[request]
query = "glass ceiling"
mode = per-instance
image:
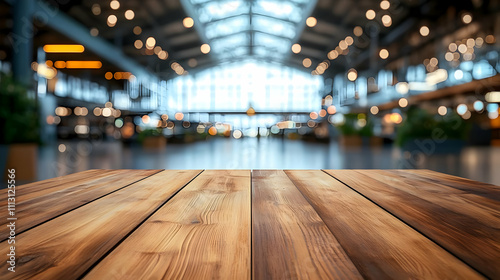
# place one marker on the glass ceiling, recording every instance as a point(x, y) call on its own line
point(237, 86)
point(259, 28)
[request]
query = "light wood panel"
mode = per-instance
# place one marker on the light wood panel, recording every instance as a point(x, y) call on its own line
point(65, 247)
point(290, 241)
point(27, 191)
point(37, 203)
point(380, 245)
point(466, 224)
point(202, 233)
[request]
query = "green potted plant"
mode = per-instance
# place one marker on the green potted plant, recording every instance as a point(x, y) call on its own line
point(354, 134)
point(19, 124)
point(152, 138)
point(427, 133)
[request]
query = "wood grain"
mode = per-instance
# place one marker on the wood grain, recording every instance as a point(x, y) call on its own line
point(380, 245)
point(40, 202)
point(473, 187)
point(35, 189)
point(290, 241)
point(202, 233)
point(65, 247)
point(464, 223)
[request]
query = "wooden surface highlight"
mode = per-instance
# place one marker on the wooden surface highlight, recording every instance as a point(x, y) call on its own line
point(464, 223)
point(65, 247)
point(290, 241)
point(380, 245)
point(201, 233)
point(481, 189)
point(37, 203)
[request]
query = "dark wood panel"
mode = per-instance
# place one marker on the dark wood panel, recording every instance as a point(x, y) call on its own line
point(37, 203)
point(65, 247)
point(473, 187)
point(379, 244)
point(464, 223)
point(290, 241)
point(201, 233)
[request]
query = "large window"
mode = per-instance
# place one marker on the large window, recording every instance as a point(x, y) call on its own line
point(235, 87)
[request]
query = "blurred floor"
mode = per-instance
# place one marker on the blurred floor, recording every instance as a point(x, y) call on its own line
point(476, 163)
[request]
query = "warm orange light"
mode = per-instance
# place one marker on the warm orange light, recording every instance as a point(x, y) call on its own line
point(396, 118)
point(179, 116)
point(162, 55)
point(205, 48)
point(311, 21)
point(60, 64)
point(358, 31)
point(384, 53)
point(118, 75)
point(75, 64)
point(212, 131)
point(188, 22)
point(349, 40)
point(63, 48)
point(333, 54)
point(322, 113)
point(403, 102)
point(424, 31)
point(137, 30)
point(296, 48)
point(332, 110)
point(150, 43)
point(385, 4)
point(157, 50)
point(313, 115)
point(115, 5)
point(370, 14)
point(306, 62)
point(108, 75)
point(129, 14)
point(352, 75)
point(251, 111)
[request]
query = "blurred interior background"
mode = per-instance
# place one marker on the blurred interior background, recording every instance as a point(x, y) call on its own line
point(296, 84)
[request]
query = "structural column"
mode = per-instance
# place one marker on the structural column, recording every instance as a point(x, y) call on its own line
point(22, 40)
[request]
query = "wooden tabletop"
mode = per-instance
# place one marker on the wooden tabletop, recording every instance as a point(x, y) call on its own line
point(261, 224)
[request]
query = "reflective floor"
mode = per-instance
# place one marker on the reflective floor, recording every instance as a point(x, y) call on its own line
point(477, 163)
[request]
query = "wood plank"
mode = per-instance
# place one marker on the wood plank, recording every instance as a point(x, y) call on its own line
point(202, 233)
point(38, 203)
point(290, 241)
point(65, 247)
point(464, 223)
point(380, 245)
point(27, 191)
point(478, 188)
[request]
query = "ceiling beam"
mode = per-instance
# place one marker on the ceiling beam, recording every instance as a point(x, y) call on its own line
point(79, 33)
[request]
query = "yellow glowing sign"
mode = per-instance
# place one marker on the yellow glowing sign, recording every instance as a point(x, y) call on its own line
point(64, 48)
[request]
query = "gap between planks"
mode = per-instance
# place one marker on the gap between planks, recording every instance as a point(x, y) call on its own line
point(203, 232)
point(447, 233)
point(32, 220)
point(66, 247)
point(368, 233)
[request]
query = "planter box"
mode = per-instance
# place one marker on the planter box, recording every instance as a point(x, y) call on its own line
point(23, 158)
point(154, 142)
point(351, 141)
point(376, 141)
